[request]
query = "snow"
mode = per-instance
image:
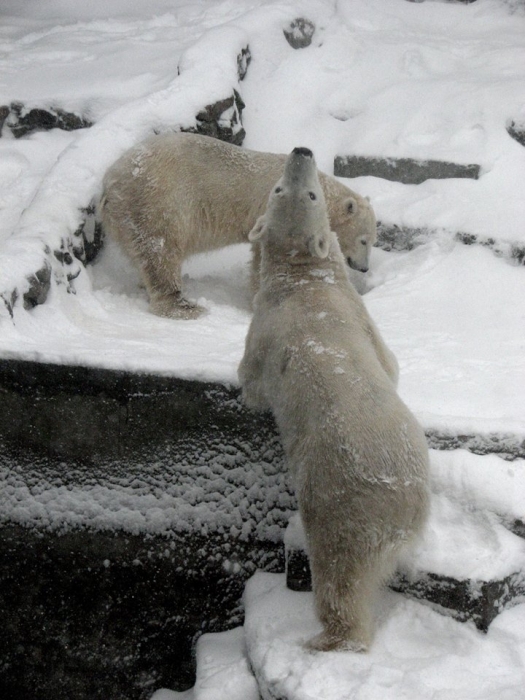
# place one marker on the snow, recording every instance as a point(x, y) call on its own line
point(426, 80)
point(417, 653)
point(449, 312)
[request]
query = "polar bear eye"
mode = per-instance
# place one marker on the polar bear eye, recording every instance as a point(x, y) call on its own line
point(312, 196)
point(363, 241)
point(278, 189)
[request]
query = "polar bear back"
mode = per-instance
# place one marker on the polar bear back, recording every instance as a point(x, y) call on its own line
point(323, 375)
point(203, 193)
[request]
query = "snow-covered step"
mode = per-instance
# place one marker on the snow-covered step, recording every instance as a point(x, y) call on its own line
point(467, 563)
point(416, 653)
point(409, 171)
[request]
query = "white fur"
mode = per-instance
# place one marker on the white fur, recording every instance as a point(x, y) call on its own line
point(316, 359)
point(179, 194)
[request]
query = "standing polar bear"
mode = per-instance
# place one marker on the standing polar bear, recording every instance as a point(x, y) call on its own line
point(179, 194)
point(315, 358)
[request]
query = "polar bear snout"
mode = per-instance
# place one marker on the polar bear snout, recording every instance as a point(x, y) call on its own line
point(356, 266)
point(302, 151)
point(300, 171)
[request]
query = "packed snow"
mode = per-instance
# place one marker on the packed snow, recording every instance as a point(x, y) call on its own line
point(426, 80)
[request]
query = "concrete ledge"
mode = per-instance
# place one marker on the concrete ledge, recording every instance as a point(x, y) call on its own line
point(133, 510)
point(89, 614)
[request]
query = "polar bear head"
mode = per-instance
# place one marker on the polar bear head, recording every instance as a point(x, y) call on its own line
point(295, 223)
point(354, 221)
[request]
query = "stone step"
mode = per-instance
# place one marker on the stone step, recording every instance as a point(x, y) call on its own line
point(408, 171)
point(467, 564)
point(132, 510)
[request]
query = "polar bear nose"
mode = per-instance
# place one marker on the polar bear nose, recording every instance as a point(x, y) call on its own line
point(301, 151)
point(354, 266)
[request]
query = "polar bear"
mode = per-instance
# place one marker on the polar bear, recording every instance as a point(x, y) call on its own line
point(315, 358)
point(178, 194)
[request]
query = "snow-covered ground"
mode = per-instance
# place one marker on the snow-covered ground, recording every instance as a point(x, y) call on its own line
point(382, 78)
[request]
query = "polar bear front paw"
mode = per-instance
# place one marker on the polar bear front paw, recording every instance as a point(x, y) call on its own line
point(177, 307)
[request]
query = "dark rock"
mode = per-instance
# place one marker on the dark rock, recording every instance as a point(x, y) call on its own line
point(243, 61)
point(394, 237)
point(107, 615)
point(88, 239)
point(517, 131)
point(506, 446)
point(4, 113)
point(463, 2)
point(406, 170)
point(23, 121)
point(39, 285)
point(70, 257)
point(515, 252)
point(465, 600)
point(222, 120)
point(517, 527)
point(299, 33)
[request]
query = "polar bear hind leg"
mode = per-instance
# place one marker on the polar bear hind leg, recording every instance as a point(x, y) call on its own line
point(346, 585)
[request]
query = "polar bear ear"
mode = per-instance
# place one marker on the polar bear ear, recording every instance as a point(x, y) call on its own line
point(258, 230)
point(350, 205)
point(319, 246)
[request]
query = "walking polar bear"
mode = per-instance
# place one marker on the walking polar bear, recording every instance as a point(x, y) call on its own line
point(315, 358)
point(179, 194)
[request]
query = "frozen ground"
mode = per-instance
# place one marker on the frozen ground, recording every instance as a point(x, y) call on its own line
point(431, 80)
